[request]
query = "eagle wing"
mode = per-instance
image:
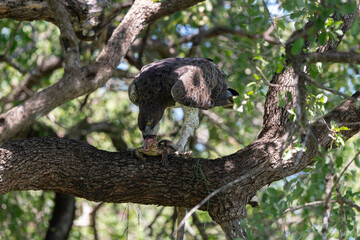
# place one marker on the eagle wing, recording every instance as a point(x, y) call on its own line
point(153, 83)
point(200, 84)
point(133, 94)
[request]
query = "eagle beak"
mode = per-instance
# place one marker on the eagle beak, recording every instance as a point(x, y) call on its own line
point(147, 131)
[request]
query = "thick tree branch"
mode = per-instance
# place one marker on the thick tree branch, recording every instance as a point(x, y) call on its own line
point(73, 167)
point(69, 41)
point(83, 14)
point(62, 217)
point(25, 10)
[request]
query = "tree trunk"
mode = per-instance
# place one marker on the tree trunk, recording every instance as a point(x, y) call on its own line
point(62, 217)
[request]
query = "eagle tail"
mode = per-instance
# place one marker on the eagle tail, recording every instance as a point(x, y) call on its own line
point(226, 100)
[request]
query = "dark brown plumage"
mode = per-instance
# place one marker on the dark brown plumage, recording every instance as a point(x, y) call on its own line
point(194, 83)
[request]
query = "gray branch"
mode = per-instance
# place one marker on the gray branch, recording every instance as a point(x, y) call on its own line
point(333, 57)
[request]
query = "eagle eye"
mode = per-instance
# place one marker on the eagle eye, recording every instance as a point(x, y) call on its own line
point(148, 123)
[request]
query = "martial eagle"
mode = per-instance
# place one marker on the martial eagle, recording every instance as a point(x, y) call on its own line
point(190, 83)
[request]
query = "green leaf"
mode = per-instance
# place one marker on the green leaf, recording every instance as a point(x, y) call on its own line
point(314, 70)
point(298, 190)
point(288, 5)
point(339, 161)
point(357, 161)
point(281, 24)
point(354, 30)
point(339, 32)
point(250, 84)
point(322, 38)
point(274, 192)
point(282, 102)
point(297, 46)
point(292, 114)
point(344, 128)
point(350, 7)
point(289, 96)
point(319, 23)
point(249, 106)
point(279, 68)
point(300, 3)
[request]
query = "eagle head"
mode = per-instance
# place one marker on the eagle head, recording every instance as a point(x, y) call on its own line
point(149, 121)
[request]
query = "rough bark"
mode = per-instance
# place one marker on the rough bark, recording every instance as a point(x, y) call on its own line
point(84, 14)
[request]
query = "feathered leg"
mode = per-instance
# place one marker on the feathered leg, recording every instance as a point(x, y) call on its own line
point(191, 121)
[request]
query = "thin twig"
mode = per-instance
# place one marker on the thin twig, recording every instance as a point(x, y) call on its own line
point(326, 219)
point(310, 79)
point(343, 171)
point(28, 46)
point(149, 226)
point(3, 58)
point(273, 24)
point(11, 40)
point(341, 214)
point(200, 226)
point(118, 8)
point(266, 79)
point(222, 30)
point(355, 223)
point(163, 230)
point(93, 219)
point(351, 204)
point(310, 204)
point(219, 121)
point(303, 145)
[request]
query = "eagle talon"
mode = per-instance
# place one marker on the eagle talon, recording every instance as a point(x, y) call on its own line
point(186, 154)
point(139, 154)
